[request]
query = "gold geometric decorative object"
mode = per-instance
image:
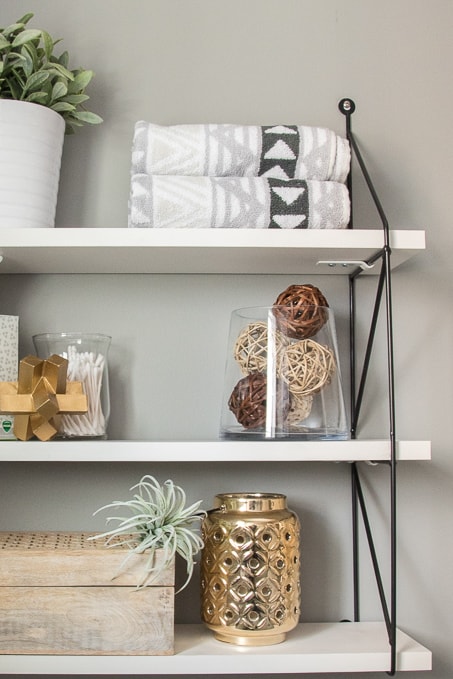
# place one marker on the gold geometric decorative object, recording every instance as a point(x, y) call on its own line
point(39, 396)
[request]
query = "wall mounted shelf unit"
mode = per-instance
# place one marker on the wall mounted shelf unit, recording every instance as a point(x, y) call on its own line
point(313, 647)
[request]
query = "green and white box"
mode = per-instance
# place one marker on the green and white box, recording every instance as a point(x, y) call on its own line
point(9, 365)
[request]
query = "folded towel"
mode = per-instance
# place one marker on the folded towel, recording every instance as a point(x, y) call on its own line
point(162, 201)
point(280, 151)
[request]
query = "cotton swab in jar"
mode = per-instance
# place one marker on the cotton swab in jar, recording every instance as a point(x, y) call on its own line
point(88, 368)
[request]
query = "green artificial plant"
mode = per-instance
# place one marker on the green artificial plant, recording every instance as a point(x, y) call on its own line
point(158, 519)
point(30, 71)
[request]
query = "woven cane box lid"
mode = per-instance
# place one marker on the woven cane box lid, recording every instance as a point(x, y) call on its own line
point(50, 559)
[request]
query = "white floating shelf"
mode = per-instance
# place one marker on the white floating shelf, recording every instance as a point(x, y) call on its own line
point(210, 451)
point(312, 647)
point(270, 251)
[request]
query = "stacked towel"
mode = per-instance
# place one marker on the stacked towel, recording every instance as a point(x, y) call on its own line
point(236, 176)
point(281, 151)
point(161, 201)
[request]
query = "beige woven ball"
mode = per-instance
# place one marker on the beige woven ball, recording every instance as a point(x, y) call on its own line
point(307, 367)
point(251, 348)
point(300, 408)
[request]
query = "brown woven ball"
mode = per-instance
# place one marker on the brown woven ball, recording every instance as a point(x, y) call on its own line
point(301, 311)
point(248, 400)
point(307, 367)
point(251, 348)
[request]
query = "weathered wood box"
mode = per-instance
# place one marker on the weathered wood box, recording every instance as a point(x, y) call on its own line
point(58, 597)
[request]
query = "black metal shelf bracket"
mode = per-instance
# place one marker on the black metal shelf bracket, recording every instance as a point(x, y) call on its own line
point(383, 294)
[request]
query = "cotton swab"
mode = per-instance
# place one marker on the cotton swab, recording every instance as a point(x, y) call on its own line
point(88, 368)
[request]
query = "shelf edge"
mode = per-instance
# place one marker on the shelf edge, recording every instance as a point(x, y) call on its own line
point(211, 451)
point(312, 647)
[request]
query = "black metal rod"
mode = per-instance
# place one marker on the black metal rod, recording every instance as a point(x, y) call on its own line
point(371, 188)
point(369, 348)
point(354, 501)
point(355, 544)
point(352, 352)
point(347, 107)
point(392, 434)
point(374, 559)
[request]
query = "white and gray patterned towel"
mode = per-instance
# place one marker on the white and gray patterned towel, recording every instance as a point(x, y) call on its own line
point(163, 201)
point(279, 151)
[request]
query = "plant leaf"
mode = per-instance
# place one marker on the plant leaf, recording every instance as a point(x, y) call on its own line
point(4, 43)
point(61, 106)
point(14, 90)
point(15, 59)
point(26, 36)
point(35, 81)
point(38, 98)
point(13, 28)
point(26, 18)
point(76, 98)
point(59, 90)
point(57, 69)
point(28, 61)
point(80, 81)
point(15, 80)
point(29, 51)
point(63, 59)
point(48, 44)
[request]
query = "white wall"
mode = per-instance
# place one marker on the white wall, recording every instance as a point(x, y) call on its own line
point(261, 61)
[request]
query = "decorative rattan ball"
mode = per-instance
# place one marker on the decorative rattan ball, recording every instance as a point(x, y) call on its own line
point(300, 408)
point(301, 311)
point(251, 348)
point(307, 367)
point(248, 400)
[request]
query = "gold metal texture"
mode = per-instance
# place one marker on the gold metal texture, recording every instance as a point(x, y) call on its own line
point(250, 569)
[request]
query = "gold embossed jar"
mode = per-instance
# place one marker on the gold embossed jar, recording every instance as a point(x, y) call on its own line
point(250, 569)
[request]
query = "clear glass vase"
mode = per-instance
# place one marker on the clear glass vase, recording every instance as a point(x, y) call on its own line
point(282, 377)
point(87, 363)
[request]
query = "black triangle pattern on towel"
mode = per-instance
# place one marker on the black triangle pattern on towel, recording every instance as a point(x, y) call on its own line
point(279, 150)
point(289, 204)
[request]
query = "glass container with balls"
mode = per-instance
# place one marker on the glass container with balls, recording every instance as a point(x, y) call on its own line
point(282, 377)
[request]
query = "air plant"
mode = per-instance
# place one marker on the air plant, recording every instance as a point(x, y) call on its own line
point(158, 520)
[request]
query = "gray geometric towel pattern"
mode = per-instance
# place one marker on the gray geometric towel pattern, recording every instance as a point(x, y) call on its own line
point(220, 150)
point(290, 207)
point(163, 201)
point(230, 150)
point(279, 151)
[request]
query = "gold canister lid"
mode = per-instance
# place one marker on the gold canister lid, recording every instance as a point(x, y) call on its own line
point(249, 502)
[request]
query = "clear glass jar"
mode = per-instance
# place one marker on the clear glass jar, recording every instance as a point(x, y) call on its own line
point(282, 377)
point(87, 363)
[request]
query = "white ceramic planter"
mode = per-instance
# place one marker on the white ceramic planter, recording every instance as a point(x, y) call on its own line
point(31, 146)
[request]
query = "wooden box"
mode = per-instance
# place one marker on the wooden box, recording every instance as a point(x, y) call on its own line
point(58, 596)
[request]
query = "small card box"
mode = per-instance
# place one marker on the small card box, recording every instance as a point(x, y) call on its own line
point(9, 362)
